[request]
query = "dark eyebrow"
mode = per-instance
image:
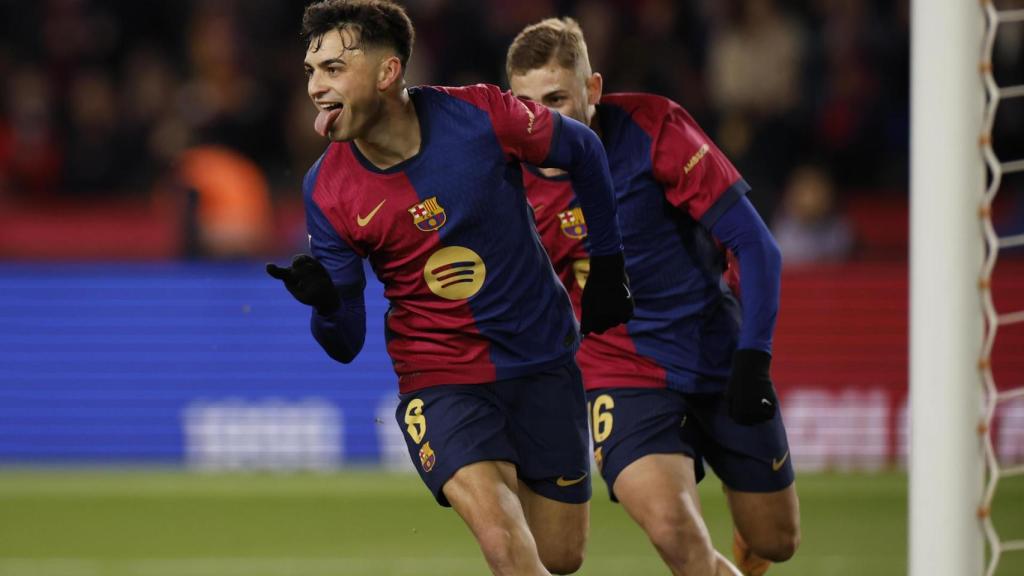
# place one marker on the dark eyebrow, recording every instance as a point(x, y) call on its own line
point(553, 93)
point(336, 60)
point(323, 64)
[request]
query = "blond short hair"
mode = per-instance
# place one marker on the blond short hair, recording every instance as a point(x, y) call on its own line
point(558, 39)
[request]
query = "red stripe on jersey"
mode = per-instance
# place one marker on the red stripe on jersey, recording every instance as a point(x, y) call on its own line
point(549, 199)
point(692, 168)
point(431, 340)
point(524, 128)
point(610, 360)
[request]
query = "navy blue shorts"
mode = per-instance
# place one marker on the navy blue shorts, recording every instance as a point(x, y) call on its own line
point(629, 423)
point(537, 422)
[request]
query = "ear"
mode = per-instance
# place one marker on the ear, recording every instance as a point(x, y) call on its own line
point(595, 84)
point(388, 73)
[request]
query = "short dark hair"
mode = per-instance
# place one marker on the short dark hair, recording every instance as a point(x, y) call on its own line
point(558, 39)
point(379, 23)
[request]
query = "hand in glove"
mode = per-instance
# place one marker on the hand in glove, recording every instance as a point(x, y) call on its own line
point(309, 282)
point(607, 301)
point(750, 394)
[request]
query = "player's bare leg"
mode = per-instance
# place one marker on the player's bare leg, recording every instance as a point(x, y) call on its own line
point(750, 564)
point(767, 527)
point(559, 528)
point(659, 491)
point(484, 495)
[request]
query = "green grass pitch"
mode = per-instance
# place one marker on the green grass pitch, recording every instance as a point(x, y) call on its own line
point(146, 523)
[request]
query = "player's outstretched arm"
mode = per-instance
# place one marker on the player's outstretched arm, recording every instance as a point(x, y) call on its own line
point(750, 394)
point(339, 312)
point(606, 301)
point(576, 149)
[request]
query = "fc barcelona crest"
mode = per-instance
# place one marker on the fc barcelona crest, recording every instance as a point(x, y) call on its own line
point(428, 215)
point(427, 457)
point(573, 224)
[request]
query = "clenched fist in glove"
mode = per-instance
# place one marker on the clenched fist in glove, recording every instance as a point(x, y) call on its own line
point(607, 301)
point(750, 394)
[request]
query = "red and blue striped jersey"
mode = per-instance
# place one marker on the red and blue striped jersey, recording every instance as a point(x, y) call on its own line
point(671, 183)
point(473, 297)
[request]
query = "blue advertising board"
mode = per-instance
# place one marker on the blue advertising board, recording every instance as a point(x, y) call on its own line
point(198, 364)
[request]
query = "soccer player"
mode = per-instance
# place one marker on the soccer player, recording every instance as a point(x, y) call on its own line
point(426, 183)
point(687, 378)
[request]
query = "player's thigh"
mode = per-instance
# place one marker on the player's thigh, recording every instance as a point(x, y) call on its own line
point(449, 427)
point(659, 491)
point(767, 520)
point(547, 421)
point(485, 494)
point(559, 528)
point(628, 424)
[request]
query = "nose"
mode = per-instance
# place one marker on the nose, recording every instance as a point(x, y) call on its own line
point(314, 86)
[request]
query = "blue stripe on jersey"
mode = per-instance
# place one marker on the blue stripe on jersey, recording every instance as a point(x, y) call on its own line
point(686, 319)
point(522, 308)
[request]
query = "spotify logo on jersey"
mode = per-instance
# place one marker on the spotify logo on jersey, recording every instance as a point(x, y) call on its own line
point(455, 273)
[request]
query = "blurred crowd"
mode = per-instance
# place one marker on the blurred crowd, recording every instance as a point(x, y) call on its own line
point(107, 98)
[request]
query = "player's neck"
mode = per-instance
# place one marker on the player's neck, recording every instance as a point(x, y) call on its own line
point(595, 122)
point(396, 136)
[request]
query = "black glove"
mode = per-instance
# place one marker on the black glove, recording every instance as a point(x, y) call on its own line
point(606, 300)
point(750, 394)
point(309, 283)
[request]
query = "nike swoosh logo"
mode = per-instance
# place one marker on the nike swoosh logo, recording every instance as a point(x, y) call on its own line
point(777, 464)
point(562, 482)
point(363, 221)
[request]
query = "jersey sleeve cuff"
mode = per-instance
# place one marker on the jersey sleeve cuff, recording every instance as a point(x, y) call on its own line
point(732, 194)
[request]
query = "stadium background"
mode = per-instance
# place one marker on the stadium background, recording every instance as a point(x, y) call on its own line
point(150, 157)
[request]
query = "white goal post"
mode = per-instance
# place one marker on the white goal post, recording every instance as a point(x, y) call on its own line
point(946, 253)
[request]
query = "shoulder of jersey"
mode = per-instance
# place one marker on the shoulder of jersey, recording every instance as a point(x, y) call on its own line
point(324, 172)
point(472, 92)
point(646, 109)
point(635, 101)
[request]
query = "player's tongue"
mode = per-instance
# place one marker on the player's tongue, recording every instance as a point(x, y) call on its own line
point(325, 120)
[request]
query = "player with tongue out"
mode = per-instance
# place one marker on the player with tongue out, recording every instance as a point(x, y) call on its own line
point(426, 184)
